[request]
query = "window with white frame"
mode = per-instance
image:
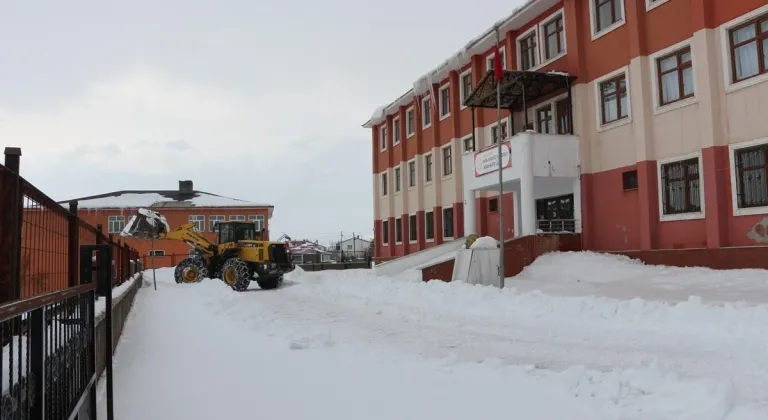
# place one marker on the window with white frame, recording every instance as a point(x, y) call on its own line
point(199, 222)
point(412, 173)
point(156, 252)
point(445, 101)
point(545, 121)
point(751, 176)
point(426, 115)
point(529, 52)
point(383, 137)
point(448, 222)
point(398, 231)
point(258, 220)
point(447, 160)
point(410, 122)
point(674, 73)
point(489, 61)
point(428, 167)
point(469, 143)
point(553, 34)
point(214, 220)
point(237, 218)
point(398, 179)
point(115, 224)
point(429, 225)
point(466, 86)
point(495, 132)
point(606, 14)
point(680, 187)
point(614, 99)
point(385, 232)
point(412, 228)
point(395, 131)
point(748, 49)
point(384, 184)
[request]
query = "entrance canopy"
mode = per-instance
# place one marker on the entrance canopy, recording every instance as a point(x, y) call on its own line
point(517, 88)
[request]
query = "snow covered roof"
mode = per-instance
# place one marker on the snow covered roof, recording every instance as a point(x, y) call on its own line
point(478, 45)
point(163, 199)
point(306, 247)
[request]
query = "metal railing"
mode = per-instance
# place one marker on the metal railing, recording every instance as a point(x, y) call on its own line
point(562, 226)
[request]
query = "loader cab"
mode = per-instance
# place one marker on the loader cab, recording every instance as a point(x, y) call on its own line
point(236, 231)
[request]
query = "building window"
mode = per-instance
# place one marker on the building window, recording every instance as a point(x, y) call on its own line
point(383, 137)
point(447, 161)
point(751, 172)
point(554, 38)
point(607, 13)
point(429, 225)
point(448, 222)
point(115, 224)
point(237, 218)
point(629, 180)
point(544, 119)
point(199, 222)
point(156, 252)
point(395, 131)
point(385, 232)
point(469, 143)
point(398, 230)
point(412, 228)
point(613, 97)
point(528, 52)
point(412, 174)
point(258, 220)
point(214, 220)
point(675, 75)
point(410, 127)
point(466, 86)
point(495, 132)
point(749, 49)
point(493, 205)
point(445, 101)
point(563, 117)
point(502, 55)
point(428, 168)
point(426, 116)
point(680, 187)
point(384, 184)
point(398, 180)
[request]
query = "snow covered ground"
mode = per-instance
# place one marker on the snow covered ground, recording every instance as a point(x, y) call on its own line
point(346, 344)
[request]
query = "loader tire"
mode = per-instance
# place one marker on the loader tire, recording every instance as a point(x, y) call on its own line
point(236, 274)
point(190, 270)
point(272, 282)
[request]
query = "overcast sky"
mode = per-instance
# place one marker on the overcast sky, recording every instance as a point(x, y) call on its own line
point(257, 100)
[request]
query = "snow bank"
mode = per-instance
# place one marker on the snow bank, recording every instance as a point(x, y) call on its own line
point(485, 242)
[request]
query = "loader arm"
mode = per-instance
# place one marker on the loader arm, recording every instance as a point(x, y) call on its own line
point(191, 237)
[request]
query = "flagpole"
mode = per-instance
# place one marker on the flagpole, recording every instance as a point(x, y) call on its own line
point(501, 179)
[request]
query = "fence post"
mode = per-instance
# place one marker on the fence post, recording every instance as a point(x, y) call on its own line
point(11, 206)
point(73, 244)
point(127, 272)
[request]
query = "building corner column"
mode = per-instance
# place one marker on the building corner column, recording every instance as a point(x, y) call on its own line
point(527, 194)
point(470, 213)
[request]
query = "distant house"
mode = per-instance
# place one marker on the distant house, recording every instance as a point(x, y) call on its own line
point(308, 252)
point(352, 248)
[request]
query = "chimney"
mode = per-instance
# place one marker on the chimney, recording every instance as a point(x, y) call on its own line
point(185, 187)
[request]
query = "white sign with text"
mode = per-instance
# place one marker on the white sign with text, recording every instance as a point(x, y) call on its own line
point(487, 161)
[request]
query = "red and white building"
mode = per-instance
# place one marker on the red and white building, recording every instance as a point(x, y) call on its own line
point(649, 131)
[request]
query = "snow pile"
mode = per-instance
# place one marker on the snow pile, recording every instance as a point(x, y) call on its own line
point(485, 242)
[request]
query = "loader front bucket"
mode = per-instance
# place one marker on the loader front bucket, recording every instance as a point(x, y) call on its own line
point(145, 224)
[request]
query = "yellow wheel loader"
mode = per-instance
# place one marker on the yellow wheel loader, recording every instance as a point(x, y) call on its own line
point(240, 255)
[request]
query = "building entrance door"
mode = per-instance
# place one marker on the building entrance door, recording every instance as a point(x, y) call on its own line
point(555, 214)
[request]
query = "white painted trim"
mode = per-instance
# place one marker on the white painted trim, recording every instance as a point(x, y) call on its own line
point(593, 21)
point(447, 87)
point(725, 50)
point(423, 114)
point(424, 156)
point(652, 4)
point(502, 54)
point(382, 183)
point(551, 106)
point(652, 62)
point(461, 87)
point(543, 51)
point(433, 226)
point(683, 216)
point(490, 131)
point(463, 149)
point(415, 174)
point(535, 30)
point(395, 141)
point(732, 148)
point(411, 108)
point(599, 103)
point(383, 138)
point(386, 220)
point(397, 188)
point(453, 161)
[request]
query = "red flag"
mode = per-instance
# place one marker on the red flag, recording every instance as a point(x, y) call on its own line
point(497, 67)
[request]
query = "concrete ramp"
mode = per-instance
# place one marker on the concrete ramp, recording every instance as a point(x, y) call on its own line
point(421, 259)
